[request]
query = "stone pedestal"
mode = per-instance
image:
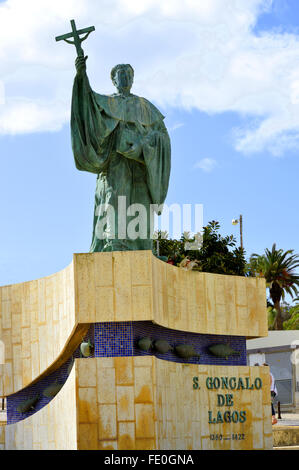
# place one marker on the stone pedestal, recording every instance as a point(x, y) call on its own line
point(123, 397)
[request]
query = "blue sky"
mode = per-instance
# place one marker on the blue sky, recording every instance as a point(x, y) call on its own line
point(226, 80)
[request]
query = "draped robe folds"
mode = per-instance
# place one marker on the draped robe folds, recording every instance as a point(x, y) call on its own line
point(102, 127)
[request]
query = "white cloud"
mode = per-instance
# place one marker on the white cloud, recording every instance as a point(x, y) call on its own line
point(176, 126)
point(186, 54)
point(21, 116)
point(206, 164)
point(2, 93)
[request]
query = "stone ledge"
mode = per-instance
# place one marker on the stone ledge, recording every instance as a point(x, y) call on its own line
point(285, 436)
point(286, 448)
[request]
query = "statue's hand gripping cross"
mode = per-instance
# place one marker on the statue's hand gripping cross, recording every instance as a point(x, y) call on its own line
point(76, 35)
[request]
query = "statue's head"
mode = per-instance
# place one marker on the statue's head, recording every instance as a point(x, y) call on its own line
point(122, 76)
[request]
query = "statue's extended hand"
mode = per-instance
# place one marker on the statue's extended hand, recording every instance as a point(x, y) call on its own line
point(81, 65)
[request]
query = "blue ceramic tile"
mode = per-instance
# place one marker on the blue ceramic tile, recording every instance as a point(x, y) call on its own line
point(120, 339)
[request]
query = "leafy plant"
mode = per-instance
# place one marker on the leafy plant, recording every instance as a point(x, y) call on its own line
point(293, 322)
point(217, 254)
point(272, 314)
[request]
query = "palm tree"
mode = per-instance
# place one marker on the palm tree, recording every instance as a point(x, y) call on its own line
point(278, 268)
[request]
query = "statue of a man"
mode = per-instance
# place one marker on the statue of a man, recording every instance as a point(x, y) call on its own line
point(122, 138)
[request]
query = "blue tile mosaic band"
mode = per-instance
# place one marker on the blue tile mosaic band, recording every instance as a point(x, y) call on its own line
point(200, 342)
point(117, 339)
point(121, 338)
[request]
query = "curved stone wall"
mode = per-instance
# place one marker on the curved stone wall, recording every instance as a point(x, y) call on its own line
point(54, 427)
point(39, 386)
point(136, 286)
point(124, 398)
point(38, 319)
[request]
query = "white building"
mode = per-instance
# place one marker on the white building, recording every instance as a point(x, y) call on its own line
point(280, 349)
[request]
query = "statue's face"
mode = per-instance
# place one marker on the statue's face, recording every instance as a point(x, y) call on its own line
point(123, 78)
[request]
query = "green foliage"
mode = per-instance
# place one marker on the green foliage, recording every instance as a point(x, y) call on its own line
point(293, 322)
point(271, 318)
point(285, 313)
point(217, 254)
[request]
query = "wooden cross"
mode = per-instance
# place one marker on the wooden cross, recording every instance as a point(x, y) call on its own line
point(76, 35)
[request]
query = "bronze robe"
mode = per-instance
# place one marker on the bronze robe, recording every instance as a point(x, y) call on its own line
point(101, 128)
